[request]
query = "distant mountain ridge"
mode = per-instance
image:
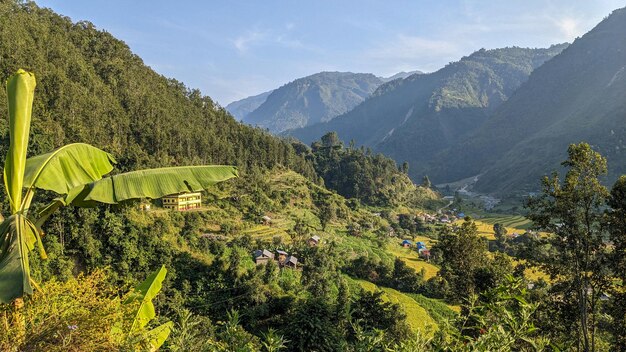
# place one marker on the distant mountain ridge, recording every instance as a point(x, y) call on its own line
point(400, 75)
point(579, 95)
point(312, 99)
point(415, 118)
point(241, 108)
point(308, 100)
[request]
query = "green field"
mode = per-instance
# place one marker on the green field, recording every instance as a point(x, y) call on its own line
point(417, 317)
point(512, 221)
point(412, 259)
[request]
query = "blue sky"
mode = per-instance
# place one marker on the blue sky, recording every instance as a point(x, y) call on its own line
point(234, 49)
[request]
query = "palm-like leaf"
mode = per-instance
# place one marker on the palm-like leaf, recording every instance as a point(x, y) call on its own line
point(144, 293)
point(18, 236)
point(152, 183)
point(20, 93)
point(67, 167)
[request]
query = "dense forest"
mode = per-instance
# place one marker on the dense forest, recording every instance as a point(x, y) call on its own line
point(327, 248)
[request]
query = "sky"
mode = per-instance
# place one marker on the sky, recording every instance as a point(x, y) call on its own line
point(234, 49)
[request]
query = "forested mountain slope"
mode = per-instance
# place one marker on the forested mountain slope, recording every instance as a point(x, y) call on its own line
point(580, 95)
point(92, 88)
point(415, 118)
point(312, 99)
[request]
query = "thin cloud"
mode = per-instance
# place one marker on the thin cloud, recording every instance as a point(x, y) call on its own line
point(569, 27)
point(410, 47)
point(243, 42)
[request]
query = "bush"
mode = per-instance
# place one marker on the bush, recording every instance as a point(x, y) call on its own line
point(75, 315)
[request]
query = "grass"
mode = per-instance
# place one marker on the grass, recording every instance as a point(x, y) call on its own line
point(511, 221)
point(412, 259)
point(437, 309)
point(418, 318)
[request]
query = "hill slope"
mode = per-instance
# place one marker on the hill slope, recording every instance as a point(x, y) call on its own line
point(415, 118)
point(316, 98)
point(580, 95)
point(241, 108)
point(91, 88)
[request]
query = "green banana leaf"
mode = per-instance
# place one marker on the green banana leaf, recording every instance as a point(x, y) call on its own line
point(18, 236)
point(151, 183)
point(158, 335)
point(144, 293)
point(67, 167)
point(20, 94)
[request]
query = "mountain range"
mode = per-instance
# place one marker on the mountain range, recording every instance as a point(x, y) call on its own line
point(503, 117)
point(309, 100)
point(579, 95)
point(415, 118)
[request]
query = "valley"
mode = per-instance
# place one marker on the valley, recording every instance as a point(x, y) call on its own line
point(139, 214)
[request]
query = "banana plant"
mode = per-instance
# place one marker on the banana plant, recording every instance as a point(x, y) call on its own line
point(143, 294)
point(78, 174)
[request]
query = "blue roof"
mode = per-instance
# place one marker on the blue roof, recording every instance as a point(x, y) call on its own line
point(461, 215)
point(421, 243)
point(406, 241)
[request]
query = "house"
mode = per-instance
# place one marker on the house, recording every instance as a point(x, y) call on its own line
point(407, 244)
point(292, 262)
point(182, 201)
point(425, 254)
point(460, 215)
point(421, 245)
point(314, 241)
point(282, 256)
point(262, 256)
point(266, 220)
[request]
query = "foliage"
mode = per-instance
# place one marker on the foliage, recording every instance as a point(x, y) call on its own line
point(371, 312)
point(463, 255)
point(572, 211)
point(75, 172)
point(356, 173)
point(616, 220)
point(75, 315)
point(502, 319)
point(142, 296)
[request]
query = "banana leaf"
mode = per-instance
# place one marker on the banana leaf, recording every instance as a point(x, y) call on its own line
point(20, 94)
point(151, 183)
point(18, 236)
point(158, 335)
point(145, 292)
point(67, 167)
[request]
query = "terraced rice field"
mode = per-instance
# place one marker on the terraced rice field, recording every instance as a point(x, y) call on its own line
point(265, 232)
point(412, 259)
point(512, 221)
point(417, 317)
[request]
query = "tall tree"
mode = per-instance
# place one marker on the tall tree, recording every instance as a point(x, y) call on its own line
point(463, 253)
point(572, 212)
point(616, 220)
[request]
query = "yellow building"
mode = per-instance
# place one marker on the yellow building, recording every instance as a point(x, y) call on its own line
point(182, 201)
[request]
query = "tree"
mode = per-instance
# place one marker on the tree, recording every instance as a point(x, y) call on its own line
point(75, 172)
point(463, 254)
point(500, 234)
point(616, 220)
point(405, 168)
point(331, 140)
point(572, 211)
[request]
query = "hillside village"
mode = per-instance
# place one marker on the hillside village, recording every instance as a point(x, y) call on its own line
point(139, 215)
